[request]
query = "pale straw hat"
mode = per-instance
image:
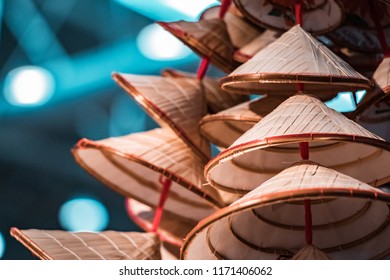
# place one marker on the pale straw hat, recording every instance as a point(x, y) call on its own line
point(105, 245)
point(216, 98)
point(257, 44)
point(350, 219)
point(178, 103)
point(208, 38)
point(225, 127)
point(295, 58)
point(132, 165)
point(279, 14)
point(273, 143)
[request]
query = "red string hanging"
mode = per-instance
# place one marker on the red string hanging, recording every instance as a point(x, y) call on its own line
point(166, 183)
point(298, 11)
point(308, 222)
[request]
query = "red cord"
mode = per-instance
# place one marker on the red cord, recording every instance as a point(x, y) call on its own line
point(298, 11)
point(224, 8)
point(304, 150)
point(308, 223)
point(163, 197)
point(204, 64)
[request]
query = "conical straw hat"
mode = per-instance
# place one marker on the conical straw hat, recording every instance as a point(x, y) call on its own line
point(172, 229)
point(207, 38)
point(224, 128)
point(279, 15)
point(132, 165)
point(257, 44)
point(310, 252)
point(296, 57)
point(240, 31)
point(177, 103)
point(106, 245)
point(273, 143)
point(216, 98)
point(350, 219)
point(374, 107)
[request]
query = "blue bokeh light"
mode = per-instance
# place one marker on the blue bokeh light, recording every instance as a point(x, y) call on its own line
point(2, 245)
point(29, 86)
point(343, 102)
point(83, 214)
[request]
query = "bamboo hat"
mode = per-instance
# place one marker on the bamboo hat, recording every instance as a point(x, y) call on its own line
point(273, 143)
point(106, 245)
point(177, 103)
point(208, 38)
point(216, 98)
point(279, 14)
point(225, 127)
point(172, 229)
point(132, 165)
point(295, 57)
point(350, 219)
point(240, 31)
point(257, 44)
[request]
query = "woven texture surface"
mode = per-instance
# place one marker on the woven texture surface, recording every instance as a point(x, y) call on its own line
point(267, 14)
point(106, 245)
point(133, 164)
point(208, 38)
point(175, 102)
point(310, 252)
point(382, 75)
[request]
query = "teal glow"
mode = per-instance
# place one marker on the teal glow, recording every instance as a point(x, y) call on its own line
point(2, 245)
point(343, 102)
point(169, 10)
point(28, 86)
point(157, 44)
point(359, 95)
point(83, 214)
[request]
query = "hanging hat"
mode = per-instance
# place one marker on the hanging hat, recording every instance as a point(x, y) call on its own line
point(207, 38)
point(335, 142)
point(359, 32)
point(257, 44)
point(172, 229)
point(279, 14)
point(224, 128)
point(375, 105)
point(350, 219)
point(178, 103)
point(105, 245)
point(310, 252)
point(240, 31)
point(216, 98)
point(132, 166)
point(296, 57)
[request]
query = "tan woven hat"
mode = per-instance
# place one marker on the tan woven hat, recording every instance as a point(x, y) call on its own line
point(310, 252)
point(216, 98)
point(173, 228)
point(279, 14)
point(106, 245)
point(273, 143)
point(224, 128)
point(350, 219)
point(132, 165)
point(296, 57)
point(178, 103)
point(257, 44)
point(208, 38)
point(240, 31)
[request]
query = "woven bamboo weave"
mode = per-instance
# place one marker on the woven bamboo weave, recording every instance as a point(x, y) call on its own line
point(309, 252)
point(208, 38)
point(350, 219)
point(270, 14)
point(216, 98)
point(295, 57)
point(132, 165)
point(225, 127)
point(273, 143)
point(177, 103)
point(106, 245)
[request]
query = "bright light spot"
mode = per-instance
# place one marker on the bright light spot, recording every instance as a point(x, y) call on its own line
point(192, 9)
point(83, 214)
point(359, 95)
point(28, 86)
point(2, 245)
point(343, 102)
point(157, 44)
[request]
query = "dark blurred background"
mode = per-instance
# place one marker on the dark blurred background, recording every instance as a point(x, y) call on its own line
point(56, 62)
